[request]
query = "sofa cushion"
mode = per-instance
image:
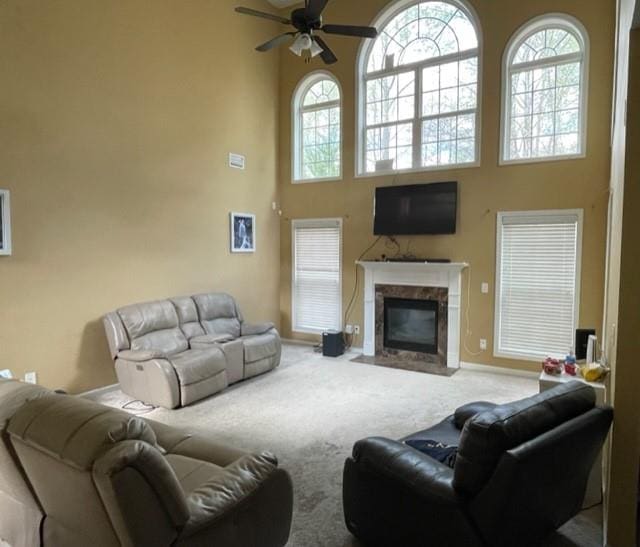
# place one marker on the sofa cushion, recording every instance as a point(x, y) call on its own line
point(153, 326)
point(195, 365)
point(188, 316)
point(260, 346)
point(488, 435)
point(218, 314)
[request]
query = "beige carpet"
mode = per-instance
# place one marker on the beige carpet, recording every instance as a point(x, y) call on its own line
point(312, 409)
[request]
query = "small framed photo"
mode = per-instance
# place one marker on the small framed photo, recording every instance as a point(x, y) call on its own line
point(5, 223)
point(243, 233)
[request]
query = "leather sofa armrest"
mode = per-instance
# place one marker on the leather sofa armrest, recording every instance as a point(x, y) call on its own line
point(225, 491)
point(177, 441)
point(468, 411)
point(140, 356)
point(249, 329)
point(423, 476)
point(150, 464)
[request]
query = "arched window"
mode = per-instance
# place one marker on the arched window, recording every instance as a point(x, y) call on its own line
point(545, 90)
point(317, 132)
point(418, 89)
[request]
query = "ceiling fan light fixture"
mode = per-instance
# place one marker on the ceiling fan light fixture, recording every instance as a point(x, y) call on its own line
point(302, 43)
point(315, 49)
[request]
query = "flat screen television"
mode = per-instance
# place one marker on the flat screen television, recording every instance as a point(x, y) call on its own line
point(417, 209)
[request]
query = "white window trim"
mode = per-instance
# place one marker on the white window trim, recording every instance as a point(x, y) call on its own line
point(313, 223)
point(384, 17)
point(522, 217)
point(296, 125)
point(576, 28)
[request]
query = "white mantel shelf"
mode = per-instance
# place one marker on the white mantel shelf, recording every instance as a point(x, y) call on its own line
point(416, 274)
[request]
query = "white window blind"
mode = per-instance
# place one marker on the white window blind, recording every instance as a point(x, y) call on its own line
point(538, 281)
point(317, 279)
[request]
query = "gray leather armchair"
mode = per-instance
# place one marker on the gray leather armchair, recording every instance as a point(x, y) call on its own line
point(174, 352)
point(90, 475)
point(521, 471)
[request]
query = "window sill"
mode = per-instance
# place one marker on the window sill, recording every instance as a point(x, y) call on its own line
point(524, 356)
point(548, 159)
point(452, 167)
point(310, 181)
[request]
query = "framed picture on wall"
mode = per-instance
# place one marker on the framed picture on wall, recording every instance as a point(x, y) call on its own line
point(243, 233)
point(5, 223)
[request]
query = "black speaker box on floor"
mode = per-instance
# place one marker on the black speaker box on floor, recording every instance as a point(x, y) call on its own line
point(332, 343)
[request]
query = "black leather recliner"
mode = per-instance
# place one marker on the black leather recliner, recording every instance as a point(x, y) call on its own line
point(521, 472)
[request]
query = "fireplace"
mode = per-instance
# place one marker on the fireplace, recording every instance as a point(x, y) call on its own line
point(411, 325)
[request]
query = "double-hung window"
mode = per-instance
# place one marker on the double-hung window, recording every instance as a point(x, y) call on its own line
point(317, 275)
point(537, 283)
point(419, 89)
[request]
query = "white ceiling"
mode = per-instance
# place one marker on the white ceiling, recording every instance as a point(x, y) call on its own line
point(284, 3)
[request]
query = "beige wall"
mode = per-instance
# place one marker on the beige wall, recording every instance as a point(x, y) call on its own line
point(484, 190)
point(116, 118)
point(622, 319)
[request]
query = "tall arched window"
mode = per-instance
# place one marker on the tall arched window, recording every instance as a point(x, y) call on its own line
point(419, 89)
point(545, 90)
point(317, 132)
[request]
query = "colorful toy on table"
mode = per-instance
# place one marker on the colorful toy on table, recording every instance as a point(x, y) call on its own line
point(570, 366)
point(552, 366)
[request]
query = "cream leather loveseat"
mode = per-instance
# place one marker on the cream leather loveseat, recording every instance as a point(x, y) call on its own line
point(174, 352)
point(74, 473)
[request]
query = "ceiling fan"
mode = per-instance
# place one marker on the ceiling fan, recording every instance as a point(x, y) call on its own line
point(307, 21)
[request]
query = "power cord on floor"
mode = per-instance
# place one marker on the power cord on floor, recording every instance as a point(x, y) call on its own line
point(146, 408)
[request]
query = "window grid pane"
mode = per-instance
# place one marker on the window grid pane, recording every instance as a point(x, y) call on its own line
point(397, 105)
point(545, 112)
point(320, 138)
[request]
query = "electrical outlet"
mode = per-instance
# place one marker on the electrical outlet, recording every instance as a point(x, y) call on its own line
point(485, 288)
point(483, 344)
point(7, 374)
point(31, 378)
point(356, 330)
point(349, 329)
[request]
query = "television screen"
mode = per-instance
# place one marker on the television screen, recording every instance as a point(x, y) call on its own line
point(416, 209)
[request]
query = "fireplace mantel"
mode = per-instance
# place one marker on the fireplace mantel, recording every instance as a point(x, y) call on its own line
point(418, 274)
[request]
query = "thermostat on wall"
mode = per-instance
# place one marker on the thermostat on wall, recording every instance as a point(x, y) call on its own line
point(237, 161)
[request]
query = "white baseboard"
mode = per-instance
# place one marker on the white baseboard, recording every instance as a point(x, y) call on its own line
point(499, 370)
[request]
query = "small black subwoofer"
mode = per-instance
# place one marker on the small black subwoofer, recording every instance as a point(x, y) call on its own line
point(332, 343)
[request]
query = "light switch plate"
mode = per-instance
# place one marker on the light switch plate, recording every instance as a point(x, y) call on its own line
point(485, 288)
point(483, 344)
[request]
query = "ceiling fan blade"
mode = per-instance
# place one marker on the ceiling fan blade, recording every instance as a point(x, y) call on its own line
point(264, 15)
point(349, 30)
point(278, 40)
point(314, 8)
point(327, 55)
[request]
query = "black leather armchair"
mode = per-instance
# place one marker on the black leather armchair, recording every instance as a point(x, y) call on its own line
point(521, 472)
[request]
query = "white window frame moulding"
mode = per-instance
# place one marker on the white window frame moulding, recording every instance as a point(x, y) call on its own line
point(311, 222)
point(576, 28)
point(561, 215)
point(364, 51)
point(304, 85)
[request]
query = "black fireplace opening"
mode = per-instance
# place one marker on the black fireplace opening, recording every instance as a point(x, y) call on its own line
point(411, 325)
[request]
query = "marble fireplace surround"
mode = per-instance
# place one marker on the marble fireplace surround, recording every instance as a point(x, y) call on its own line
point(415, 274)
point(434, 294)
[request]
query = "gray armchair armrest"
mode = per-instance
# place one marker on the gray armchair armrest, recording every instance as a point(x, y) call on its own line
point(468, 411)
point(248, 329)
point(140, 356)
point(417, 472)
point(225, 491)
